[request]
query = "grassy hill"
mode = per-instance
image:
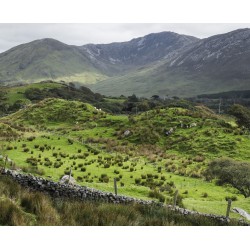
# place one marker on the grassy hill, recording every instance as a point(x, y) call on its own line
point(12, 98)
point(54, 135)
point(46, 59)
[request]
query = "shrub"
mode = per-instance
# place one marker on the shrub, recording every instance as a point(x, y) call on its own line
point(57, 165)
point(31, 138)
point(79, 178)
point(32, 161)
point(149, 176)
point(231, 172)
point(163, 178)
point(70, 141)
point(106, 165)
point(104, 178)
point(232, 198)
point(83, 169)
point(26, 150)
point(156, 194)
point(204, 195)
point(137, 181)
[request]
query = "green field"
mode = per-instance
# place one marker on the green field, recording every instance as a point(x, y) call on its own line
point(55, 135)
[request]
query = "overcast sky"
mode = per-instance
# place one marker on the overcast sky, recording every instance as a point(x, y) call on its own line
point(80, 34)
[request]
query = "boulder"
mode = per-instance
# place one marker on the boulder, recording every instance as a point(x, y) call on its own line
point(127, 133)
point(65, 180)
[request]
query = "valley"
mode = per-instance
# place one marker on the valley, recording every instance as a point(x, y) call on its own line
point(165, 116)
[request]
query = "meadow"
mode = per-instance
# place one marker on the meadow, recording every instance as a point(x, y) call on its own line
point(54, 136)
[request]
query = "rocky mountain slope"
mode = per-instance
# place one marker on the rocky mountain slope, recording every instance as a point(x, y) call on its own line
point(119, 57)
point(166, 64)
point(218, 63)
point(51, 59)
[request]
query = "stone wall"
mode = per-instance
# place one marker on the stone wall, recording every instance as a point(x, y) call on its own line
point(81, 193)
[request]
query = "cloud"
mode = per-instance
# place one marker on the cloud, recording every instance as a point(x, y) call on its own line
point(79, 34)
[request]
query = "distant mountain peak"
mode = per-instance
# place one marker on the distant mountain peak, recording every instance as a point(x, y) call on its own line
point(165, 63)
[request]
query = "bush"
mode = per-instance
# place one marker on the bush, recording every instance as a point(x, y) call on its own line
point(156, 194)
point(231, 172)
point(106, 165)
point(32, 161)
point(83, 169)
point(104, 178)
point(31, 138)
point(137, 181)
point(163, 178)
point(232, 198)
point(70, 141)
point(204, 195)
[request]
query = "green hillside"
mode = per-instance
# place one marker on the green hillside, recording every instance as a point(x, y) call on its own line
point(157, 80)
point(46, 59)
point(54, 135)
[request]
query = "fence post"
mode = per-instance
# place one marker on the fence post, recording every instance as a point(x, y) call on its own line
point(228, 207)
point(175, 197)
point(115, 186)
point(70, 174)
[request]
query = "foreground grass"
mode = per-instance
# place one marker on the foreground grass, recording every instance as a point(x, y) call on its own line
point(19, 207)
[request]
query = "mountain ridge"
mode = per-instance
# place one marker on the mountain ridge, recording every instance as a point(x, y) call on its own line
point(163, 63)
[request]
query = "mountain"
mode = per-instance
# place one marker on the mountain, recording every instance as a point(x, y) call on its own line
point(121, 57)
point(46, 59)
point(165, 64)
point(215, 64)
point(51, 59)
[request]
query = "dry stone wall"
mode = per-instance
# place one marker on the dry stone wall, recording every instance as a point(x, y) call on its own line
point(58, 190)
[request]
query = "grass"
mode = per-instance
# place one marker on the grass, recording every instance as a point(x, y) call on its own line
point(180, 157)
point(22, 208)
point(17, 93)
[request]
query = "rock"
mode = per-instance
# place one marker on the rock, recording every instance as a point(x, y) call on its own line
point(127, 133)
point(65, 180)
point(241, 212)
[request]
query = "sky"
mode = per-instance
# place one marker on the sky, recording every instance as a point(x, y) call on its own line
point(79, 34)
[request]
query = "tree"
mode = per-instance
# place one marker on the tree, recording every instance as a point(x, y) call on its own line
point(133, 98)
point(232, 172)
point(242, 115)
